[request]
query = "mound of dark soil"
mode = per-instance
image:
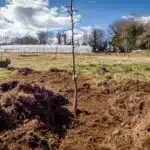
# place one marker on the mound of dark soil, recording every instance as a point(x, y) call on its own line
point(12, 68)
point(4, 87)
point(147, 69)
point(103, 70)
point(28, 112)
point(56, 70)
point(26, 71)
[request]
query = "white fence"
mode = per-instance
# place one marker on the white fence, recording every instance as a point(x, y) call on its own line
point(44, 48)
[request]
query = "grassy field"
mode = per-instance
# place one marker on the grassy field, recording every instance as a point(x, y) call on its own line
point(101, 67)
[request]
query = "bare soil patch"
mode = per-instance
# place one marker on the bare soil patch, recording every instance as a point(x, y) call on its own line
point(112, 115)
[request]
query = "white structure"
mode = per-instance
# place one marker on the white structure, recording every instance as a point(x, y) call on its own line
point(45, 48)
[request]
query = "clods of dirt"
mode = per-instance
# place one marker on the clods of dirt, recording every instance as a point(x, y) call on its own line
point(26, 71)
point(59, 71)
point(56, 70)
point(86, 85)
point(147, 69)
point(29, 116)
point(11, 68)
point(103, 70)
point(4, 87)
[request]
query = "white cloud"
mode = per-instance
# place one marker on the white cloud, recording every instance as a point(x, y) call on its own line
point(143, 19)
point(28, 3)
point(127, 17)
point(30, 16)
point(86, 28)
point(27, 17)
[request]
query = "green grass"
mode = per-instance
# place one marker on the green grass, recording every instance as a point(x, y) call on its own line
point(101, 66)
point(116, 71)
point(5, 74)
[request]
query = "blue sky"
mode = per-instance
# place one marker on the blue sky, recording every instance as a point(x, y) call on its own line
point(2, 3)
point(104, 12)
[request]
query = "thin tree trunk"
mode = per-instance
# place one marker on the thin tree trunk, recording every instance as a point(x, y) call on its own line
point(73, 56)
point(1, 55)
point(56, 51)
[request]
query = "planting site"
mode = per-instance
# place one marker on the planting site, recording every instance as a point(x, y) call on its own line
point(36, 102)
point(74, 75)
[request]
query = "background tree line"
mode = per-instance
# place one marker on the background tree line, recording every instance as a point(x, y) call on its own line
point(124, 35)
point(130, 34)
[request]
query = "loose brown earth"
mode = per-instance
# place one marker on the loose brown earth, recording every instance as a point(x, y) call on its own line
point(111, 116)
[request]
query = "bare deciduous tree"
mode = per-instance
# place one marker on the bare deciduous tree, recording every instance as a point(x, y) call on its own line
point(96, 39)
point(59, 36)
point(42, 37)
point(64, 38)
